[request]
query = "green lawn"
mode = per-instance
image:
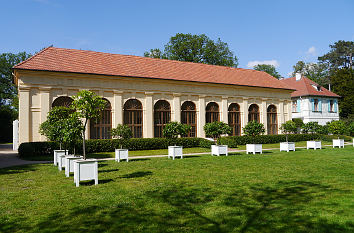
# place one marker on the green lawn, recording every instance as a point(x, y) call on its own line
point(302, 191)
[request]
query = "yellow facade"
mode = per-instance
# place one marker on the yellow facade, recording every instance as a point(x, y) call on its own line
point(38, 89)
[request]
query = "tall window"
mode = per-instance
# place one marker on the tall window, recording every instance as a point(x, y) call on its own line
point(133, 117)
point(100, 128)
point(272, 123)
point(63, 101)
point(234, 119)
point(189, 117)
point(162, 116)
point(253, 113)
point(315, 105)
point(212, 112)
point(331, 106)
point(294, 106)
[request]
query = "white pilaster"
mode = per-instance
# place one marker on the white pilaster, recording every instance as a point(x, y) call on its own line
point(45, 106)
point(244, 114)
point(117, 109)
point(24, 115)
point(224, 109)
point(176, 111)
point(264, 114)
point(148, 116)
point(201, 117)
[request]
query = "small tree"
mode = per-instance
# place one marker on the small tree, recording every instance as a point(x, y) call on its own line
point(216, 129)
point(175, 129)
point(288, 127)
point(88, 106)
point(299, 123)
point(72, 130)
point(122, 132)
point(337, 128)
point(53, 127)
point(253, 129)
point(311, 127)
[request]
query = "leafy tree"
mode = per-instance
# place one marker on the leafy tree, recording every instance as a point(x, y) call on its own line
point(122, 132)
point(54, 127)
point(174, 129)
point(253, 128)
point(350, 129)
point(317, 72)
point(72, 131)
point(299, 123)
point(341, 55)
point(343, 84)
point(216, 129)
point(196, 48)
point(270, 69)
point(7, 116)
point(288, 127)
point(88, 106)
point(8, 91)
point(337, 128)
point(311, 127)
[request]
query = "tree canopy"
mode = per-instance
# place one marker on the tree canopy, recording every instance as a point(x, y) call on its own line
point(317, 72)
point(8, 91)
point(196, 48)
point(341, 55)
point(270, 69)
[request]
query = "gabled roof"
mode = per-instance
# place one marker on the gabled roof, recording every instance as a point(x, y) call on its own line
point(307, 87)
point(90, 62)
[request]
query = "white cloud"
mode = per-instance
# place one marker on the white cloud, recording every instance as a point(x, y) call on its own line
point(311, 51)
point(274, 63)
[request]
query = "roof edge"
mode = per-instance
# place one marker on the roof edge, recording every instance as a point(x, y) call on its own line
point(36, 54)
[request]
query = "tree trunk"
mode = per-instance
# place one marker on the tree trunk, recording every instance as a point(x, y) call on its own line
point(83, 141)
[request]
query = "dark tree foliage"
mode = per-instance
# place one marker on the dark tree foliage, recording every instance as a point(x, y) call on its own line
point(8, 91)
point(270, 69)
point(196, 48)
point(317, 72)
point(341, 55)
point(7, 116)
point(343, 84)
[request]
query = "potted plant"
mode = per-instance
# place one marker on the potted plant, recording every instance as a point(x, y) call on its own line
point(253, 129)
point(287, 128)
point(312, 128)
point(53, 129)
point(337, 128)
point(215, 130)
point(122, 132)
point(88, 107)
point(172, 130)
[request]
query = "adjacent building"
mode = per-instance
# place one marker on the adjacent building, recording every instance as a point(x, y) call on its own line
point(147, 93)
point(312, 102)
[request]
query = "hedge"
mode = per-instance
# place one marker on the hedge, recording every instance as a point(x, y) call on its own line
point(234, 141)
point(32, 149)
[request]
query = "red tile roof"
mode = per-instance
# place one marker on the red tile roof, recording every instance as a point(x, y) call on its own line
point(304, 88)
point(90, 62)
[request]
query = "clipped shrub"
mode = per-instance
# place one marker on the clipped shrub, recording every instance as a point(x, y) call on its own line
point(32, 149)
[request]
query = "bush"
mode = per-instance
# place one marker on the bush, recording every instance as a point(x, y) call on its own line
point(32, 149)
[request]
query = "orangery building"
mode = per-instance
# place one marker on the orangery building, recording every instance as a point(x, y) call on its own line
point(147, 93)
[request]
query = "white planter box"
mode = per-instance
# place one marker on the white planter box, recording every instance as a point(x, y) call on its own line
point(69, 164)
point(85, 170)
point(287, 146)
point(57, 153)
point(61, 161)
point(314, 145)
point(338, 142)
point(254, 148)
point(219, 150)
point(174, 151)
point(121, 154)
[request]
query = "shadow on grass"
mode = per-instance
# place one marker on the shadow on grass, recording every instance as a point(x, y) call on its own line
point(136, 160)
point(282, 207)
point(102, 164)
point(109, 170)
point(100, 155)
point(191, 156)
point(17, 169)
point(136, 174)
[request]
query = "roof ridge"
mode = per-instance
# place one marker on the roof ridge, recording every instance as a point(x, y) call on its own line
point(30, 58)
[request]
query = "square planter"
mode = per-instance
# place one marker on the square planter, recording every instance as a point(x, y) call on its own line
point(254, 148)
point(69, 164)
point(85, 170)
point(61, 161)
point(57, 153)
point(174, 151)
point(287, 146)
point(314, 145)
point(338, 142)
point(121, 154)
point(219, 150)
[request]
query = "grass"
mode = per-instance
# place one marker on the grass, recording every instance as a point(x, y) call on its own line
point(299, 191)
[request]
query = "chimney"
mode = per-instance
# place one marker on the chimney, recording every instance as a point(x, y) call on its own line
point(298, 76)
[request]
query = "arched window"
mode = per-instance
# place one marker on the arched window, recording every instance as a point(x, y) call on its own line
point(62, 101)
point(272, 123)
point(212, 112)
point(234, 119)
point(162, 116)
point(189, 117)
point(253, 113)
point(133, 117)
point(100, 128)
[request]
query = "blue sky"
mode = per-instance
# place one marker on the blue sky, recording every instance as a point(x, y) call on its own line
point(276, 32)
